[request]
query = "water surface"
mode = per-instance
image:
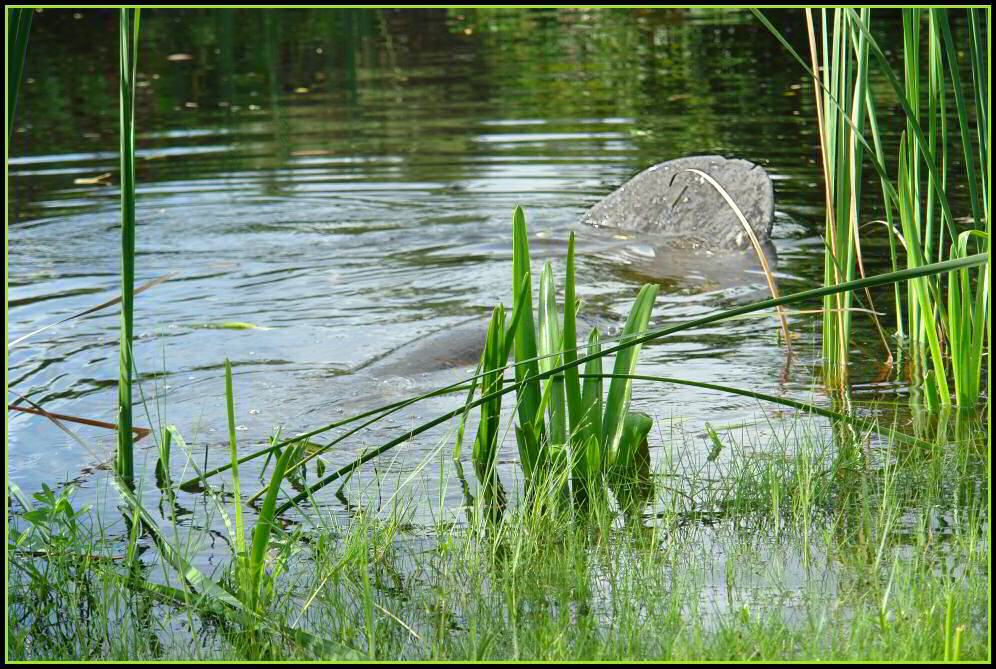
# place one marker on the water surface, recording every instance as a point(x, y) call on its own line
point(345, 180)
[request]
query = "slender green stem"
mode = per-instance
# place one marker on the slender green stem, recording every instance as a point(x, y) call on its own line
point(128, 63)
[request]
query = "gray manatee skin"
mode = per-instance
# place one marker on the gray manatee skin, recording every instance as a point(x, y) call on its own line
point(684, 207)
point(456, 347)
point(451, 348)
point(677, 211)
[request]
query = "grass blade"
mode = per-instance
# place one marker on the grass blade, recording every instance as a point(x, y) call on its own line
point(128, 57)
point(621, 388)
point(261, 533)
point(551, 344)
point(526, 368)
point(240, 537)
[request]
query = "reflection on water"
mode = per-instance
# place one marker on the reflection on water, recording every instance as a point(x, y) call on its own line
point(346, 179)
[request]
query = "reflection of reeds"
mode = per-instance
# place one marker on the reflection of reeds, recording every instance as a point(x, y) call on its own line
point(947, 331)
point(18, 27)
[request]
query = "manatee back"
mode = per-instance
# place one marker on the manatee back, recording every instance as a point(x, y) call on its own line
point(686, 208)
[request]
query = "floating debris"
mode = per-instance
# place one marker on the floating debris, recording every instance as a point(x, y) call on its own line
point(100, 180)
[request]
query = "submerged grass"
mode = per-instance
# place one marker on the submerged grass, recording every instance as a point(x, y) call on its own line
point(795, 542)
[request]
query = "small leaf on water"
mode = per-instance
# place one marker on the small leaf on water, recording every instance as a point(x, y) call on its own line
point(233, 325)
point(99, 180)
point(717, 445)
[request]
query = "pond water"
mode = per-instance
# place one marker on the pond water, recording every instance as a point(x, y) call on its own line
point(345, 181)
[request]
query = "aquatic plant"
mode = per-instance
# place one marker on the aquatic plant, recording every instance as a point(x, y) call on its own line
point(457, 597)
point(947, 328)
point(128, 37)
point(569, 446)
point(629, 339)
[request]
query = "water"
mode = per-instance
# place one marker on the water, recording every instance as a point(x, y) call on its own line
point(346, 182)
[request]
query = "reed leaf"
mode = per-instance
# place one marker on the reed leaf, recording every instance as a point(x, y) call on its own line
point(485, 455)
point(621, 388)
point(240, 537)
point(507, 344)
point(591, 397)
point(128, 66)
point(551, 345)
point(572, 384)
point(261, 533)
point(526, 368)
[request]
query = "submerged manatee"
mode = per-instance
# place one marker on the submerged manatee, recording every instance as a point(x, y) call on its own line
point(678, 213)
point(686, 210)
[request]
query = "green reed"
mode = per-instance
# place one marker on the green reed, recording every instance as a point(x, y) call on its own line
point(125, 466)
point(567, 429)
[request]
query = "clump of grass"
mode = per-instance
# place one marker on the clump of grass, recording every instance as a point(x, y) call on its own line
point(561, 428)
point(815, 541)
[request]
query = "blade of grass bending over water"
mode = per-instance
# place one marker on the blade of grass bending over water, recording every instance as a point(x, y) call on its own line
point(128, 39)
point(768, 274)
point(18, 27)
point(801, 406)
point(878, 280)
point(102, 305)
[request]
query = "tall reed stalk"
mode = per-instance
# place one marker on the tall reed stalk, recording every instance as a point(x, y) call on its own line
point(947, 334)
point(844, 65)
point(128, 63)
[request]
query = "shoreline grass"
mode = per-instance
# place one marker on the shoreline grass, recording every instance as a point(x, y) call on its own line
point(787, 544)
